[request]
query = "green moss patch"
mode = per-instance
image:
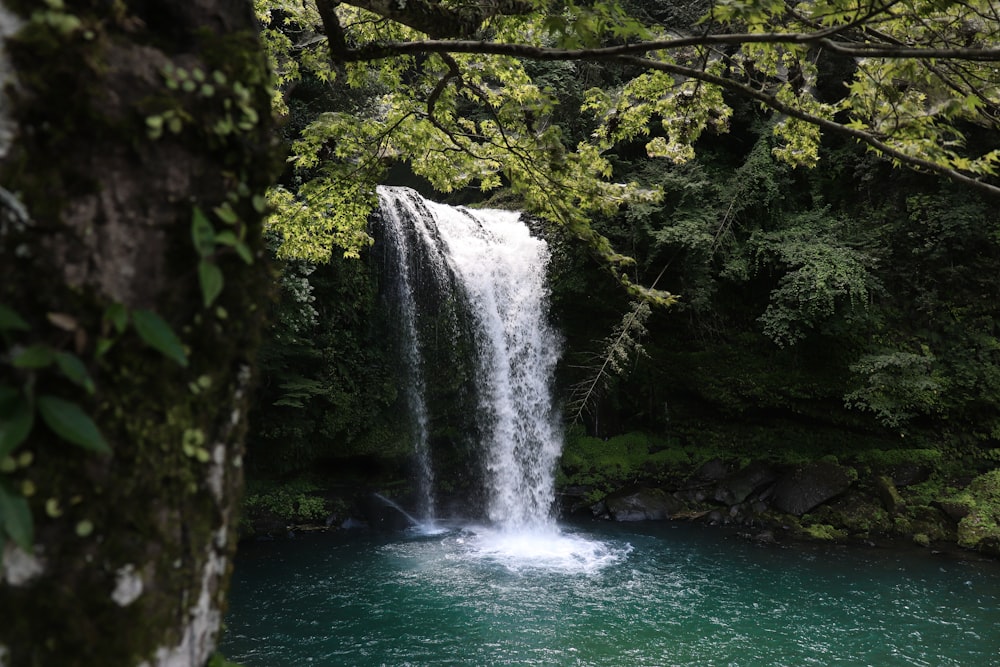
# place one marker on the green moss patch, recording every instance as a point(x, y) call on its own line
point(606, 465)
point(980, 529)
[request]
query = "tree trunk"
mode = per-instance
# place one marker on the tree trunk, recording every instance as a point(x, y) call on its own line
point(118, 121)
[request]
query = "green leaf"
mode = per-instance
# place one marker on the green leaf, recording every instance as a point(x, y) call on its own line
point(210, 277)
point(157, 334)
point(73, 368)
point(35, 356)
point(84, 528)
point(15, 517)
point(226, 237)
point(202, 233)
point(226, 214)
point(117, 315)
point(16, 420)
point(70, 422)
point(243, 250)
point(102, 347)
point(10, 320)
point(7, 394)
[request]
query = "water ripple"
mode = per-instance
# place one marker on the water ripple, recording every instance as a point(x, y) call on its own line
point(622, 596)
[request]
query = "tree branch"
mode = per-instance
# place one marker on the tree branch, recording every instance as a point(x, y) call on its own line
point(334, 31)
point(823, 123)
point(625, 54)
point(392, 49)
point(441, 21)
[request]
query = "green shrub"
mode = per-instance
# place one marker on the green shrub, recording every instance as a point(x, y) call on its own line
point(884, 458)
point(608, 464)
point(292, 501)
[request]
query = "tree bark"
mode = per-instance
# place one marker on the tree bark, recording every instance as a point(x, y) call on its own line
point(106, 151)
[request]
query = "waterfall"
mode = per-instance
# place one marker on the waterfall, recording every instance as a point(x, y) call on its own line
point(499, 268)
point(405, 300)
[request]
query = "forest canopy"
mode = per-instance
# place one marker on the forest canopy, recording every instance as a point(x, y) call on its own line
point(478, 94)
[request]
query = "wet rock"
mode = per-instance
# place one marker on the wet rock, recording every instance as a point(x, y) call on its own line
point(808, 486)
point(990, 546)
point(599, 510)
point(955, 510)
point(737, 487)
point(643, 504)
point(765, 537)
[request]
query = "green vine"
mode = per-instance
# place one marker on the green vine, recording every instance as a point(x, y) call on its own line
point(21, 406)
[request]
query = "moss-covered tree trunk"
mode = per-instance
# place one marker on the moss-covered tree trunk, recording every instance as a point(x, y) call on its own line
point(118, 121)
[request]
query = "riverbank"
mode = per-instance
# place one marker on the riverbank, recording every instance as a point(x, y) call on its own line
point(867, 496)
point(876, 497)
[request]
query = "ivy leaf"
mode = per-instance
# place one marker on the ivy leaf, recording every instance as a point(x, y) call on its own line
point(70, 422)
point(158, 335)
point(202, 233)
point(10, 320)
point(15, 517)
point(226, 214)
point(226, 237)
point(117, 315)
point(16, 420)
point(243, 250)
point(210, 277)
point(73, 368)
point(35, 356)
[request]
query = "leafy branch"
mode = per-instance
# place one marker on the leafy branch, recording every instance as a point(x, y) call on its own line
point(624, 343)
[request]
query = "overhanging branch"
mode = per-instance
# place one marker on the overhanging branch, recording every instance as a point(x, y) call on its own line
point(392, 49)
point(772, 102)
point(438, 20)
point(626, 54)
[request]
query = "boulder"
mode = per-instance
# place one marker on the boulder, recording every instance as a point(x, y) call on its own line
point(737, 487)
point(807, 486)
point(956, 510)
point(642, 504)
point(888, 494)
point(708, 473)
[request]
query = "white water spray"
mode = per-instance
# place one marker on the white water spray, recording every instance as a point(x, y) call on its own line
point(500, 268)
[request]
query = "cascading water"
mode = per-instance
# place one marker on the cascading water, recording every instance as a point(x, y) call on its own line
point(406, 301)
point(500, 268)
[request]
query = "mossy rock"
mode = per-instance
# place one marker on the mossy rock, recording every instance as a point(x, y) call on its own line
point(824, 532)
point(980, 529)
point(886, 490)
point(932, 523)
point(857, 513)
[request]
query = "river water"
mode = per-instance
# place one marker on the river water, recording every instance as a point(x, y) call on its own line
point(621, 595)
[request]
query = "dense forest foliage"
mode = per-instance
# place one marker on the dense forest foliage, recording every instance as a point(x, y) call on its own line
point(844, 312)
point(850, 295)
